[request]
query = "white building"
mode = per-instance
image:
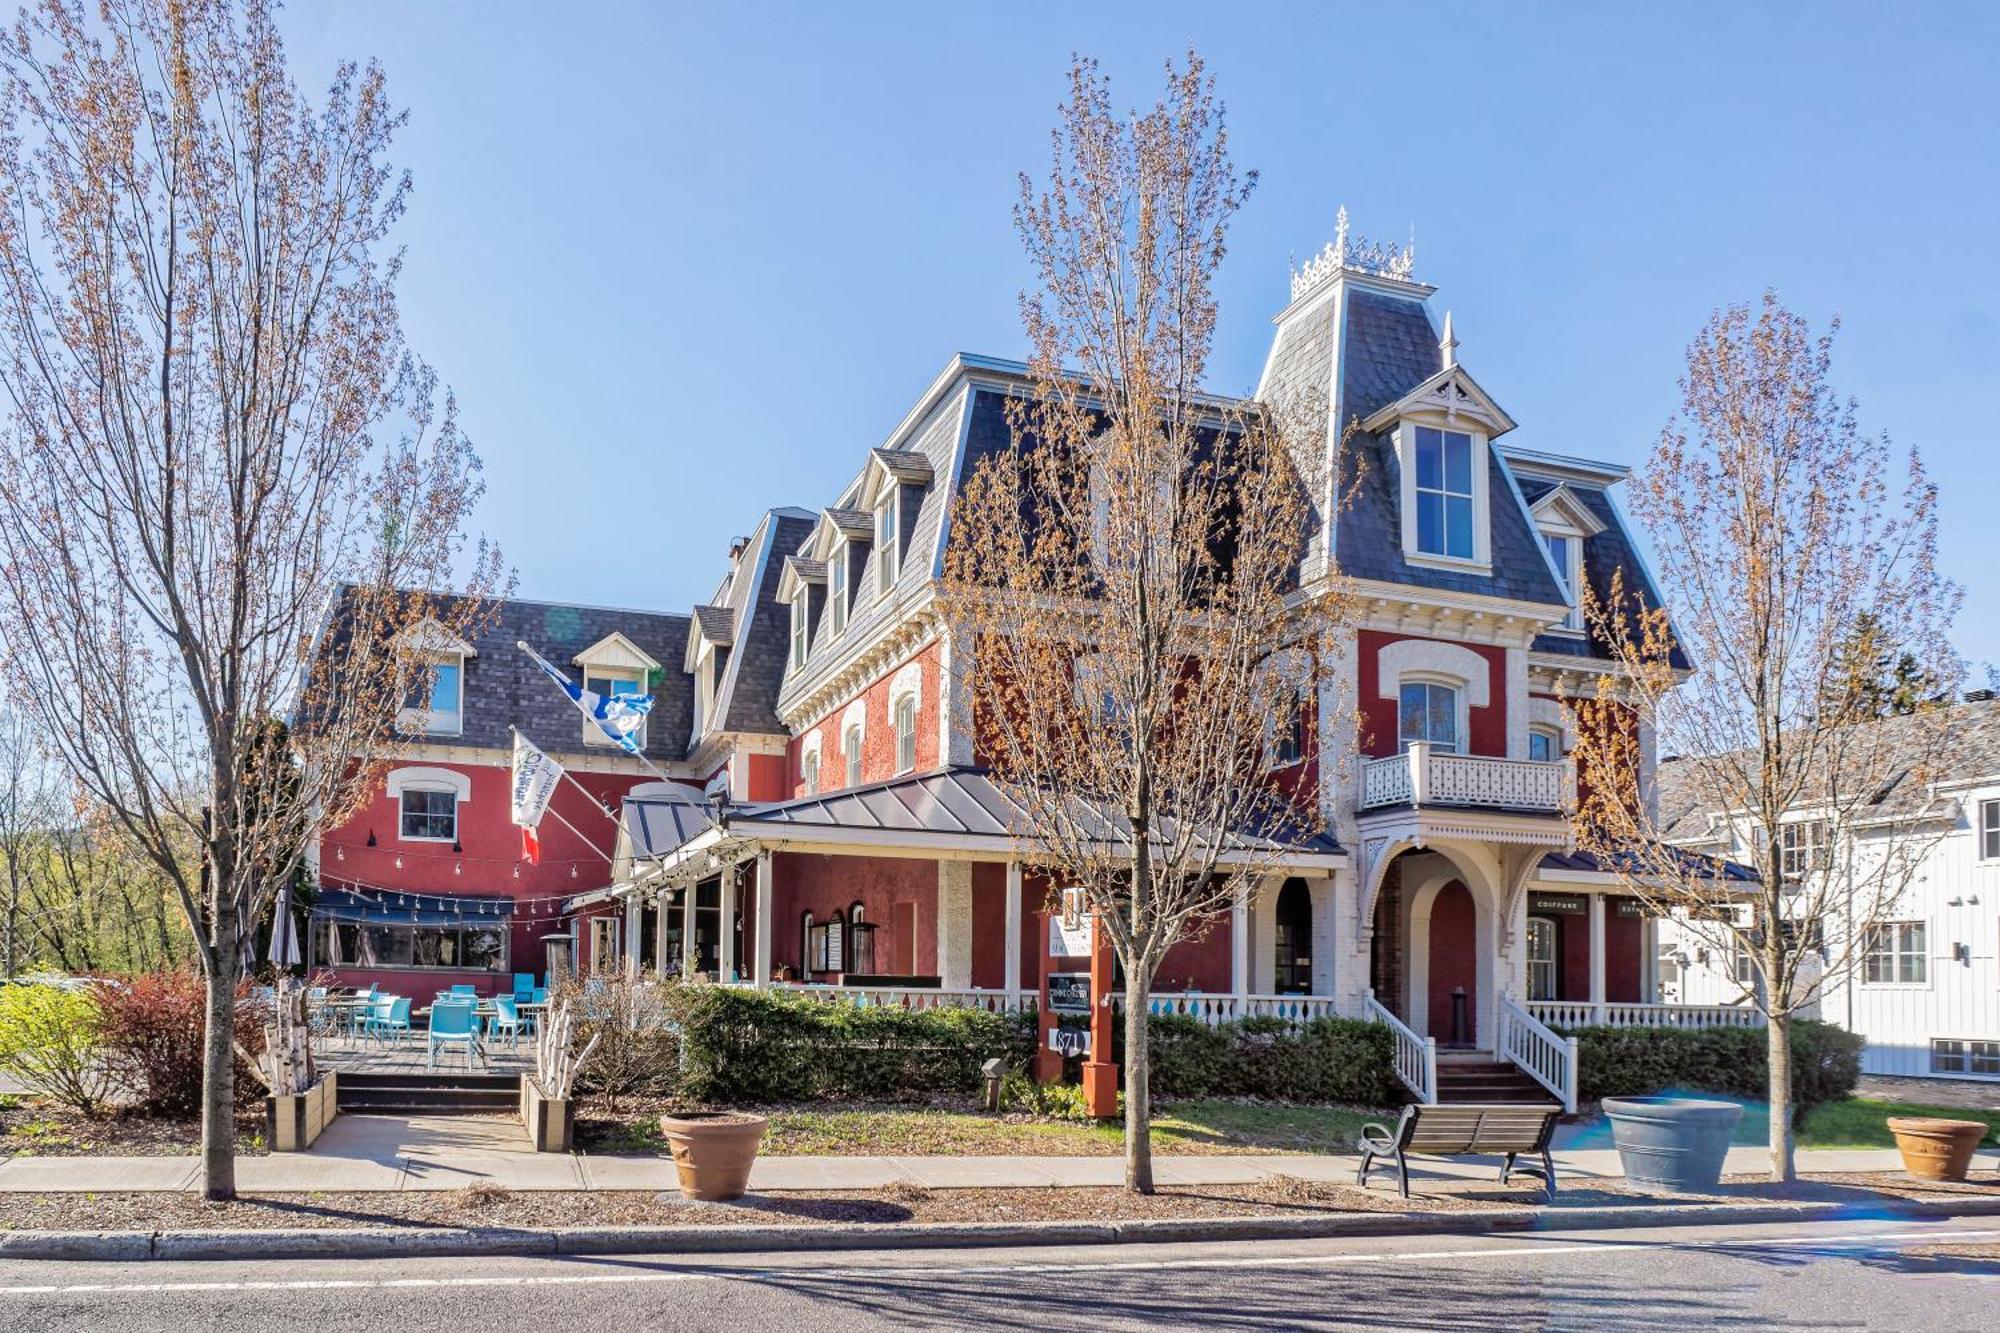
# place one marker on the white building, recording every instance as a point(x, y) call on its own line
point(1925, 988)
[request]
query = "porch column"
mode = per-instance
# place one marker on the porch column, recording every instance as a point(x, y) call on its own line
point(954, 924)
point(762, 951)
point(725, 946)
point(1239, 942)
point(689, 892)
point(1012, 981)
point(633, 959)
point(1597, 956)
point(660, 934)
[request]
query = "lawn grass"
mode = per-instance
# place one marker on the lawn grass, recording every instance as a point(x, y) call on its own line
point(1857, 1122)
point(1191, 1127)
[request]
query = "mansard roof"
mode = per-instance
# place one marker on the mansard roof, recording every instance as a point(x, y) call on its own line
point(746, 697)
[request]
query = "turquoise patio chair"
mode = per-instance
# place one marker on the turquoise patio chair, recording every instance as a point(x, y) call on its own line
point(452, 1024)
point(468, 992)
point(524, 986)
point(539, 995)
point(506, 1019)
point(390, 1018)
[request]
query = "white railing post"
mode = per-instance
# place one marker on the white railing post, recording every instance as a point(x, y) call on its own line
point(1011, 983)
point(1430, 1068)
point(1420, 772)
point(1569, 1076)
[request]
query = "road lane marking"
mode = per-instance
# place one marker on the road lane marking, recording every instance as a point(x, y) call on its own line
point(1607, 1246)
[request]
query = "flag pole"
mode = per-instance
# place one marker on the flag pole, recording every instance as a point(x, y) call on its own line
point(595, 803)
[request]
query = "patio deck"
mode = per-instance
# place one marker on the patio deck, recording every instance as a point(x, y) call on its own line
point(409, 1056)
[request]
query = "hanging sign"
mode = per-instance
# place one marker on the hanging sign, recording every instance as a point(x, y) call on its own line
point(1557, 904)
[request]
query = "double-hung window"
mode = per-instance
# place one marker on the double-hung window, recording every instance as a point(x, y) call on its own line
point(850, 748)
point(1898, 954)
point(438, 711)
point(429, 815)
point(1444, 493)
point(1565, 553)
point(801, 631)
point(1544, 744)
point(1989, 830)
point(906, 733)
point(836, 591)
point(1427, 712)
point(1801, 847)
point(809, 773)
point(885, 540)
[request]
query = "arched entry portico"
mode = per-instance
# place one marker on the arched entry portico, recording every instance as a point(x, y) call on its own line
point(1435, 933)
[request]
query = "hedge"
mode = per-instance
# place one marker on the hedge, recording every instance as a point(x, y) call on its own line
point(1732, 1062)
point(1322, 1060)
point(767, 1046)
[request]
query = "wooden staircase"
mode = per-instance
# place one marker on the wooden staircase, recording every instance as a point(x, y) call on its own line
point(1482, 1079)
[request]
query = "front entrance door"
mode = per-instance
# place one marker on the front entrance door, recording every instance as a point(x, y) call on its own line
point(1454, 967)
point(1293, 973)
point(1542, 958)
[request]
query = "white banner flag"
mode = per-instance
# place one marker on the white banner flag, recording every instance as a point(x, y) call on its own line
point(535, 779)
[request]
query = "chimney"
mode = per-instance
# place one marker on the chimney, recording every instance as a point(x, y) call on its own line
point(736, 545)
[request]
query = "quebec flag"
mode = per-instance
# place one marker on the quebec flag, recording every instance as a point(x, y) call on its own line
point(618, 716)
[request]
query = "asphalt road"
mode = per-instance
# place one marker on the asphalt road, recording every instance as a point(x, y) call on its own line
point(1861, 1274)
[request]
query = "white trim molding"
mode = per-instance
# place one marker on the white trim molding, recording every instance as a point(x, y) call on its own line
point(429, 779)
point(1433, 658)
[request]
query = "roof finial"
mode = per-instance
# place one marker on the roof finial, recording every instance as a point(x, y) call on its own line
point(1448, 344)
point(1355, 253)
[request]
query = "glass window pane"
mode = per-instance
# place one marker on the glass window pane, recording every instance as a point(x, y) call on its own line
point(1443, 727)
point(1430, 462)
point(444, 690)
point(1458, 526)
point(1458, 463)
point(1410, 714)
point(1430, 522)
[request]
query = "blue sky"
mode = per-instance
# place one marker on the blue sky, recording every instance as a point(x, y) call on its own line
point(684, 263)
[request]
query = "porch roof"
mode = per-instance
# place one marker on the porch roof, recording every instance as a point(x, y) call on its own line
point(1591, 863)
point(959, 809)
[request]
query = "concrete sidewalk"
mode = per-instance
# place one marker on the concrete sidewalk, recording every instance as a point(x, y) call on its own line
point(360, 1153)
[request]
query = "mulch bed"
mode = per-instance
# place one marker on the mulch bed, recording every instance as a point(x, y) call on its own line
point(490, 1206)
point(36, 1129)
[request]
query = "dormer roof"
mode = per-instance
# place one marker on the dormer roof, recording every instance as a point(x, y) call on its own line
point(1450, 395)
point(799, 571)
point(428, 636)
point(616, 651)
point(717, 624)
point(853, 524)
point(1564, 506)
point(904, 465)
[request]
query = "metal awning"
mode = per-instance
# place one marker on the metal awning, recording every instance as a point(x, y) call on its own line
point(950, 810)
point(387, 907)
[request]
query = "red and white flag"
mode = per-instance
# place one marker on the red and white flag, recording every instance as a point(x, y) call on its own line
point(535, 779)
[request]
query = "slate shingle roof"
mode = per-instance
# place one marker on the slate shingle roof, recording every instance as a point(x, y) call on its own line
point(503, 687)
point(1970, 750)
point(1612, 549)
point(746, 697)
point(717, 624)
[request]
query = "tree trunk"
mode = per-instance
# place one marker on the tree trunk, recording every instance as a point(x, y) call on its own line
point(1138, 1092)
point(1778, 1031)
point(218, 1071)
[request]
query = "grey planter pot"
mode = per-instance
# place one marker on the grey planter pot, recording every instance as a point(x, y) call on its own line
point(1672, 1145)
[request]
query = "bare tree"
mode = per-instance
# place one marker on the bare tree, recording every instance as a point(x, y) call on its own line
point(1782, 535)
point(220, 457)
point(1127, 574)
point(26, 812)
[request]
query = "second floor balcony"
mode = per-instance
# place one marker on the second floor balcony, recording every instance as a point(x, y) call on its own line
point(1425, 776)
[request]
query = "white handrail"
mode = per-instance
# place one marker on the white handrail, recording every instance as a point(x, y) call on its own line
point(1530, 1043)
point(915, 997)
point(1416, 1057)
point(1624, 1014)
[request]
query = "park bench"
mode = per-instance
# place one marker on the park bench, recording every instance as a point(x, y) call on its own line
point(1464, 1130)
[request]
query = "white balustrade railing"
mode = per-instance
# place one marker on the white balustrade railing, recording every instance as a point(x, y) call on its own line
point(915, 997)
point(1584, 1014)
point(1416, 1057)
point(1531, 1044)
point(1215, 1009)
point(1422, 775)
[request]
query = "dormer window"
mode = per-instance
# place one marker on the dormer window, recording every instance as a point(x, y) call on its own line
point(1445, 497)
point(1564, 523)
point(801, 632)
point(836, 590)
point(1566, 554)
point(435, 705)
point(885, 538)
point(615, 667)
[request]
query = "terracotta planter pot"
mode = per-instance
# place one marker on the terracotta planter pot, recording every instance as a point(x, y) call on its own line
point(713, 1151)
point(1936, 1149)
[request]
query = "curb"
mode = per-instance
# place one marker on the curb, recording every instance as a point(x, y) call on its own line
point(421, 1242)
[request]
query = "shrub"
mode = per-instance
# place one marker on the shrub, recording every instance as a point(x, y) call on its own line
point(153, 1034)
point(770, 1046)
point(1050, 1101)
point(49, 1040)
point(1322, 1060)
point(638, 1049)
point(1730, 1062)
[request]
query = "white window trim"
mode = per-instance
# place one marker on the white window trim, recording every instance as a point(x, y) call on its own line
point(888, 553)
point(836, 591)
point(1482, 523)
point(1438, 660)
point(1555, 736)
point(809, 772)
point(916, 720)
point(1572, 577)
point(1461, 709)
point(809, 757)
point(430, 722)
point(1979, 829)
point(801, 640)
point(852, 737)
point(1861, 972)
point(402, 780)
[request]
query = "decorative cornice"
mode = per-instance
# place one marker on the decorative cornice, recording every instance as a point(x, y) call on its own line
point(1347, 252)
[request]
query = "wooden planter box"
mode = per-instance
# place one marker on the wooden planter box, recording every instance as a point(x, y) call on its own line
point(551, 1121)
point(294, 1120)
